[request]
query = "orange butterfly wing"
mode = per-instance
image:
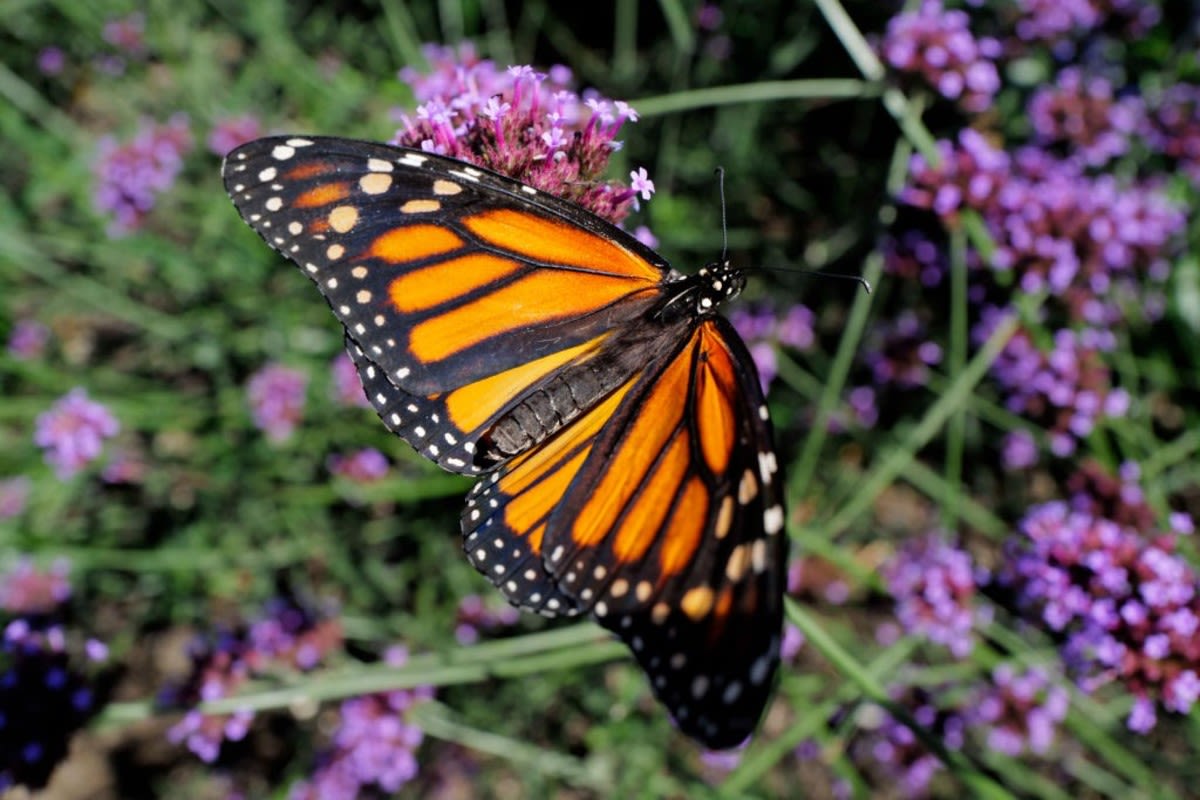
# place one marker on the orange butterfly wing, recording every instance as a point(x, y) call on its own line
point(623, 441)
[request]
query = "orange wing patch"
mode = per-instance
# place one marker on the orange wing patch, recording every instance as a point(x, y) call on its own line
point(427, 287)
point(545, 240)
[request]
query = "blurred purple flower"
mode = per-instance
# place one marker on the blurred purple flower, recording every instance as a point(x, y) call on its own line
point(1019, 450)
point(51, 61)
point(938, 45)
point(129, 177)
point(1067, 390)
point(14, 494)
point(898, 352)
point(528, 125)
point(934, 588)
point(73, 431)
point(27, 339)
point(287, 636)
point(127, 34)
point(276, 397)
point(1018, 713)
point(1054, 21)
point(347, 386)
point(912, 256)
point(230, 132)
point(361, 466)
point(1125, 603)
point(47, 693)
point(899, 758)
point(1172, 126)
point(1082, 112)
point(764, 329)
point(476, 615)
point(373, 746)
point(27, 590)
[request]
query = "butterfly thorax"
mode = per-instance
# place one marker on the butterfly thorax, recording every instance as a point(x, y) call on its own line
point(699, 295)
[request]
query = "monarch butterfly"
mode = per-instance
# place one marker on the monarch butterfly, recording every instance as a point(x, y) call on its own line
point(615, 421)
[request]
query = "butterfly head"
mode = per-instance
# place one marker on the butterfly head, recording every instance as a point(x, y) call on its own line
point(716, 283)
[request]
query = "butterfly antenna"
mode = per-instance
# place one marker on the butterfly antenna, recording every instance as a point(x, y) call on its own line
point(724, 229)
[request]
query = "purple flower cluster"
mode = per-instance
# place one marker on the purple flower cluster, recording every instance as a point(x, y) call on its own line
point(347, 386)
point(1125, 604)
point(1054, 20)
point(131, 176)
point(1081, 113)
point(373, 746)
point(1055, 228)
point(72, 432)
point(27, 340)
point(230, 132)
point(476, 615)
point(26, 590)
point(1066, 390)
point(899, 352)
point(764, 329)
point(276, 397)
point(127, 34)
point(361, 466)
point(893, 748)
point(287, 637)
point(938, 45)
point(48, 688)
point(14, 494)
point(912, 256)
point(1172, 127)
point(525, 124)
point(934, 587)
point(1018, 712)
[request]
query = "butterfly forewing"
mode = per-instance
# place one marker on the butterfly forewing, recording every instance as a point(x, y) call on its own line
point(620, 434)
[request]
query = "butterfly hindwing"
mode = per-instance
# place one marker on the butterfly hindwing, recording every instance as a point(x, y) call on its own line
point(660, 512)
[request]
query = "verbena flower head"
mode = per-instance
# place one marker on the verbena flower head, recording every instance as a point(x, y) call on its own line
point(934, 587)
point(347, 386)
point(276, 396)
point(1067, 389)
point(361, 466)
point(1018, 712)
point(27, 590)
point(48, 692)
point(51, 61)
point(27, 340)
point(127, 34)
point(230, 132)
point(14, 494)
point(129, 177)
point(1126, 604)
point(476, 615)
point(912, 256)
point(1055, 21)
point(1172, 127)
point(72, 432)
point(1081, 113)
point(373, 746)
point(892, 750)
point(899, 352)
point(938, 45)
point(525, 124)
point(287, 637)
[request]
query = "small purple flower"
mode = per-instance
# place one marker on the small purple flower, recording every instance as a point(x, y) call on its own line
point(127, 34)
point(1018, 713)
point(362, 466)
point(476, 615)
point(51, 61)
point(934, 586)
point(73, 431)
point(640, 183)
point(27, 590)
point(938, 45)
point(373, 746)
point(899, 353)
point(14, 494)
point(276, 397)
point(893, 752)
point(347, 386)
point(230, 132)
point(130, 177)
point(27, 340)
point(47, 693)
point(764, 330)
point(1083, 113)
